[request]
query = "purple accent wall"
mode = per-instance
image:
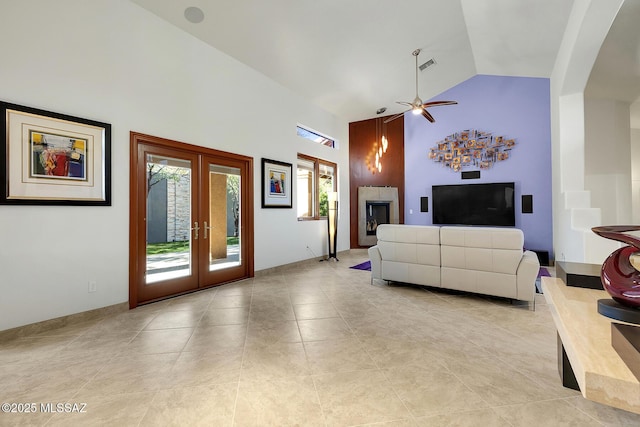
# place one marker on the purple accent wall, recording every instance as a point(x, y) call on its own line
point(514, 107)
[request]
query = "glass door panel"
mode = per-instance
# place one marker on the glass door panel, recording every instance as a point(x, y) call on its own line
point(223, 251)
point(224, 220)
point(164, 223)
point(169, 223)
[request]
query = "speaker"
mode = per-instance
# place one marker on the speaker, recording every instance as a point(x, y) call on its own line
point(424, 204)
point(470, 175)
point(527, 203)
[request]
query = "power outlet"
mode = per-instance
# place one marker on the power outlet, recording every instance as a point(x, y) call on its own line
point(93, 286)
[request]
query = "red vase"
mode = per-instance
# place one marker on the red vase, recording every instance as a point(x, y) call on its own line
point(619, 278)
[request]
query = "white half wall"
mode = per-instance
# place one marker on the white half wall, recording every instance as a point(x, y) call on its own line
point(608, 159)
point(635, 176)
point(112, 61)
point(586, 30)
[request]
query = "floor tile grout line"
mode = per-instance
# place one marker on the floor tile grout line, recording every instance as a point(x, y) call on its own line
point(567, 399)
point(244, 352)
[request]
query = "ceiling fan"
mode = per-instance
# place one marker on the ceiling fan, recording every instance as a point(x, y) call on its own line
point(417, 106)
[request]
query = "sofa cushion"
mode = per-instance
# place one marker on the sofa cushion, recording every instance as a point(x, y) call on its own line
point(410, 252)
point(482, 237)
point(418, 274)
point(408, 234)
point(409, 244)
point(482, 249)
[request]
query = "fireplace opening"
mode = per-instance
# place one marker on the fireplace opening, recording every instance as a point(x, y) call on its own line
point(377, 213)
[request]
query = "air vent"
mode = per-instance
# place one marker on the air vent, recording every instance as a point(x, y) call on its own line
point(427, 64)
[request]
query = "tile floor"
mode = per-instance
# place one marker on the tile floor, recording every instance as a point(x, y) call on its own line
point(315, 345)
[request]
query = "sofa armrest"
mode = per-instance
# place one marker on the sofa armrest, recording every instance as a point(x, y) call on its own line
point(376, 262)
point(526, 276)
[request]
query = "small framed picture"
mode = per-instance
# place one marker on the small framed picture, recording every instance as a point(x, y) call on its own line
point(53, 158)
point(276, 184)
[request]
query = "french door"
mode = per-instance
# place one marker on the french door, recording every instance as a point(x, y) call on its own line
point(191, 222)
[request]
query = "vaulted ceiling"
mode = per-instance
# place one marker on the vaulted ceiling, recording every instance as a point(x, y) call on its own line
point(352, 57)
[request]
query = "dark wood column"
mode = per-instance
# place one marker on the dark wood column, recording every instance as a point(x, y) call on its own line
point(363, 136)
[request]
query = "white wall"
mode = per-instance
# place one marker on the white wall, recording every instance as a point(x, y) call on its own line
point(587, 28)
point(608, 159)
point(111, 61)
point(635, 176)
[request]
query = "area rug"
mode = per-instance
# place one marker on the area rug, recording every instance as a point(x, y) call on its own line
point(543, 272)
point(364, 266)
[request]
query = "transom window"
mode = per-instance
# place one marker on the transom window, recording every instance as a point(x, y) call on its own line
point(315, 136)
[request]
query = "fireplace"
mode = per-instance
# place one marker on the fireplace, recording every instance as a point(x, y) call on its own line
point(377, 213)
point(376, 205)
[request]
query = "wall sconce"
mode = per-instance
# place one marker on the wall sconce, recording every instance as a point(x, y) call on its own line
point(332, 224)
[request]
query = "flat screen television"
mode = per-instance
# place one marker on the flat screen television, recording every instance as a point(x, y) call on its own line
point(474, 204)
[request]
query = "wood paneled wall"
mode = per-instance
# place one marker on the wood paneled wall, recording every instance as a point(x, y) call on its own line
point(362, 139)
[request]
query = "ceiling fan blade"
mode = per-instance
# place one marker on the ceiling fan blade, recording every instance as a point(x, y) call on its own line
point(417, 103)
point(395, 117)
point(428, 116)
point(436, 103)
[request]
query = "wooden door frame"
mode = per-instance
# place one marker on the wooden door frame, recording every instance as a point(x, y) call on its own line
point(183, 284)
point(135, 269)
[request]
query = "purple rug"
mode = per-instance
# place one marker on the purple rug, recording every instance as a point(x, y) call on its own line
point(543, 272)
point(364, 266)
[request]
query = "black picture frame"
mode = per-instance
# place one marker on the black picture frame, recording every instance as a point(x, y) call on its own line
point(277, 190)
point(53, 159)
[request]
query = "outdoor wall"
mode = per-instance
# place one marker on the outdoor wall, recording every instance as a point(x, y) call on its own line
point(112, 61)
point(513, 107)
point(178, 209)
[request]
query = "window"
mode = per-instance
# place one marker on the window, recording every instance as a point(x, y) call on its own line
point(326, 181)
point(315, 136)
point(316, 178)
point(306, 194)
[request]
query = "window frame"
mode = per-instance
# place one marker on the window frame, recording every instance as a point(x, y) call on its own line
point(316, 183)
point(315, 136)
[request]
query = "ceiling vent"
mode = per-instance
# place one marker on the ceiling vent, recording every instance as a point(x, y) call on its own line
point(427, 64)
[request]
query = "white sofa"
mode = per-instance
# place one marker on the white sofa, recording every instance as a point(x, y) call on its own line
point(483, 260)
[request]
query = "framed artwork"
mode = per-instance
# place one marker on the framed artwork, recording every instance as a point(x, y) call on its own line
point(276, 184)
point(53, 159)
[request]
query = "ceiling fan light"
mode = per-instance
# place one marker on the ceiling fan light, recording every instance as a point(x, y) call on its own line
point(416, 111)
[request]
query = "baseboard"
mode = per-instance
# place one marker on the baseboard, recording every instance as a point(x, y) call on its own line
point(294, 265)
point(58, 322)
